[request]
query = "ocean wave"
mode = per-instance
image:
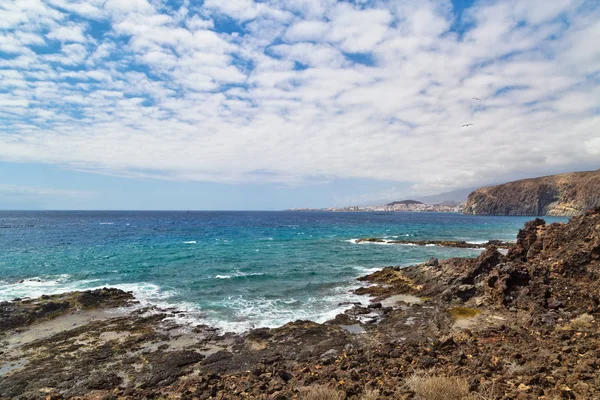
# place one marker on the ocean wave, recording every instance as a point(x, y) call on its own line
point(365, 270)
point(42, 285)
point(190, 242)
point(383, 242)
point(243, 313)
point(106, 223)
point(271, 313)
point(239, 274)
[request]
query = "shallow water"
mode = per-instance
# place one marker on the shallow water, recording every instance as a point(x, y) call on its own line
point(234, 270)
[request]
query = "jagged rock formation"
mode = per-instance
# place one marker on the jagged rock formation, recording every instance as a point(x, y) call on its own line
point(557, 195)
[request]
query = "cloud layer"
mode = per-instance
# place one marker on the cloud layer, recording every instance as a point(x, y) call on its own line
point(302, 90)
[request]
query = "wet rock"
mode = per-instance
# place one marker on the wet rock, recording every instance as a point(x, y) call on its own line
point(432, 262)
point(358, 310)
point(349, 303)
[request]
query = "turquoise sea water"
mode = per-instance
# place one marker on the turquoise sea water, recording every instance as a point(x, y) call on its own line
point(234, 270)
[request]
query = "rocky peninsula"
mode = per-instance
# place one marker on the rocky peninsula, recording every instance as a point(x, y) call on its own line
point(518, 326)
point(556, 195)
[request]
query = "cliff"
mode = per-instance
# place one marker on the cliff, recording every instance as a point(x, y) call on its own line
point(557, 195)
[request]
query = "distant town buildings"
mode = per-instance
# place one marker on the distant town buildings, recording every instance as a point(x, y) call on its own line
point(399, 206)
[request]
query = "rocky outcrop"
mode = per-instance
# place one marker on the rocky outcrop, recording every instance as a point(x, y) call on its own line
point(557, 195)
point(19, 313)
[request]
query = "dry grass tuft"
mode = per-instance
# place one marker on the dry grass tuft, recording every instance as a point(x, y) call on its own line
point(582, 322)
point(432, 387)
point(321, 392)
point(457, 337)
point(516, 369)
point(370, 394)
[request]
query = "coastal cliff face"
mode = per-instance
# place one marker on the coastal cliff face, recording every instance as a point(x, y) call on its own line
point(557, 195)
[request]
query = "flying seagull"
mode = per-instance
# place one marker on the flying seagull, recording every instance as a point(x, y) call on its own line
point(465, 125)
point(476, 98)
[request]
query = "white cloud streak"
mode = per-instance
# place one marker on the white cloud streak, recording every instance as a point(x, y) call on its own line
point(37, 191)
point(307, 90)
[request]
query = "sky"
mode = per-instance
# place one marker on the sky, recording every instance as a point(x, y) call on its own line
point(273, 104)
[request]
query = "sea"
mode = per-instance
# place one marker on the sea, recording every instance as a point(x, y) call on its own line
point(231, 270)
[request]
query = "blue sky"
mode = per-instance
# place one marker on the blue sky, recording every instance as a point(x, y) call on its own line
point(241, 104)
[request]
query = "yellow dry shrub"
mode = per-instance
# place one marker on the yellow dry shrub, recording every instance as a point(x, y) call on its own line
point(321, 392)
point(434, 387)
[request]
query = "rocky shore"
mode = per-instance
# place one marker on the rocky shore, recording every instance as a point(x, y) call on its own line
point(518, 326)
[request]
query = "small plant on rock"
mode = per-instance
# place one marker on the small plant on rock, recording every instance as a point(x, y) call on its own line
point(436, 387)
point(582, 322)
point(321, 392)
point(370, 394)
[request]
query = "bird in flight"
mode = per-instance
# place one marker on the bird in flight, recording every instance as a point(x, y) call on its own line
point(476, 98)
point(465, 125)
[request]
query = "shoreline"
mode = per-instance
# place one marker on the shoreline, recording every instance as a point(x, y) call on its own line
point(507, 325)
point(39, 284)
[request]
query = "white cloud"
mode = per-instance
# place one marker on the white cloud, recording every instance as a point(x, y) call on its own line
point(307, 31)
point(575, 103)
point(358, 31)
point(246, 10)
point(310, 89)
point(87, 8)
point(129, 6)
point(69, 33)
point(311, 54)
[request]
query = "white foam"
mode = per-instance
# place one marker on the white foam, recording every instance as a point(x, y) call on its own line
point(366, 270)
point(238, 274)
point(245, 313)
point(39, 286)
point(383, 242)
point(106, 223)
point(272, 313)
point(190, 242)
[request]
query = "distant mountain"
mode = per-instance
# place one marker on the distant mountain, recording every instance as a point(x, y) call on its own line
point(404, 202)
point(558, 195)
point(457, 196)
